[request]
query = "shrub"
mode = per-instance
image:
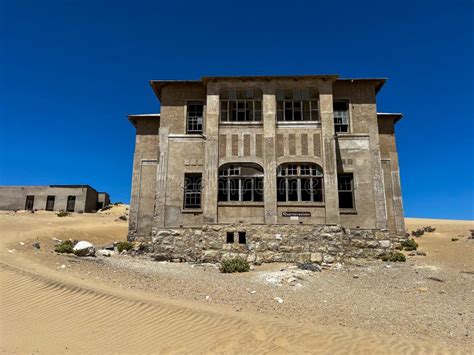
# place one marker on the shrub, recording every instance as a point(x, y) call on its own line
point(234, 265)
point(63, 214)
point(105, 208)
point(117, 203)
point(395, 257)
point(126, 245)
point(65, 247)
point(409, 245)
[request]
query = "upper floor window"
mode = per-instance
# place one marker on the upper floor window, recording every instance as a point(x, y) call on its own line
point(240, 182)
point(341, 116)
point(297, 105)
point(194, 117)
point(241, 105)
point(300, 182)
point(192, 190)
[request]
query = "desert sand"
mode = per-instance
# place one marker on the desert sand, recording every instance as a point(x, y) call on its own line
point(51, 303)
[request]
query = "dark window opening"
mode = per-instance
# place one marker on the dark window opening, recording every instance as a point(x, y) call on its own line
point(30, 201)
point(241, 105)
point(242, 238)
point(50, 203)
point(192, 190)
point(297, 105)
point(341, 116)
point(71, 203)
point(230, 237)
point(194, 117)
point(240, 183)
point(345, 184)
point(300, 183)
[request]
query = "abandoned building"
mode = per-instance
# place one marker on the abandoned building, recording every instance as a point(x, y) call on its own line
point(253, 157)
point(69, 198)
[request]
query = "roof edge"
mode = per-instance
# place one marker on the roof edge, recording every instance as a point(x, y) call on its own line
point(396, 116)
point(134, 118)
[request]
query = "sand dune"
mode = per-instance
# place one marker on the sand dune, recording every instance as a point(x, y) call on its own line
point(44, 311)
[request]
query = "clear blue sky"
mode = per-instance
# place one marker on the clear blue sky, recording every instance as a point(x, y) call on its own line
point(70, 72)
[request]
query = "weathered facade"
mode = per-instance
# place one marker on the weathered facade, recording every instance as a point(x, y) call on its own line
point(267, 151)
point(70, 198)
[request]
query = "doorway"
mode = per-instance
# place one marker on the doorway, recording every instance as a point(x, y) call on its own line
point(30, 201)
point(50, 203)
point(71, 203)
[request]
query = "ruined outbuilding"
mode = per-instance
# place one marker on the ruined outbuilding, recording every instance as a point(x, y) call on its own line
point(69, 198)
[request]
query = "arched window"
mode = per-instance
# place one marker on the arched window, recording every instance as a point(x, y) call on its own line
point(240, 183)
point(300, 182)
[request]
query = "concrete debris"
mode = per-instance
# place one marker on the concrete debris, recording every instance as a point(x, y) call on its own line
point(105, 252)
point(309, 266)
point(84, 248)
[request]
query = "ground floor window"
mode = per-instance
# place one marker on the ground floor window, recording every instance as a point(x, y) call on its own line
point(345, 185)
point(71, 203)
point(192, 190)
point(300, 183)
point(240, 183)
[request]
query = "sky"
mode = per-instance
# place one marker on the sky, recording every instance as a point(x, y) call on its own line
point(71, 71)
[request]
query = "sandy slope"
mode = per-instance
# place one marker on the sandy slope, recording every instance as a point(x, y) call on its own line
point(124, 305)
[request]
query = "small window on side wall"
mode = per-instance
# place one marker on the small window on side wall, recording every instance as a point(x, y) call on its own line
point(345, 184)
point(242, 238)
point(192, 190)
point(341, 116)
point(194, 117)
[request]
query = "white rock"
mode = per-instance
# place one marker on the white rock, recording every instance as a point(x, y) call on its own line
point(21, 243)
point(11, 250)
point(84, 248)
point(63, 266)
point(278, 299)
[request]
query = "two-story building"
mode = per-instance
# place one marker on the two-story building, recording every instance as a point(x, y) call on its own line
point(266, 150)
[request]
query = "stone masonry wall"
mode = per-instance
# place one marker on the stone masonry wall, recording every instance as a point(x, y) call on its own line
point(270, 243)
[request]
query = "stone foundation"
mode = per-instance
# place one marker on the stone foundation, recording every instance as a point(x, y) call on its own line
point(269, 243)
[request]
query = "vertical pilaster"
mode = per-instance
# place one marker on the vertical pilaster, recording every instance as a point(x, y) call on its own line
point(377, 172)
point(269, 159)
point(161, 177)
point(329, 152)
point(397, 194)
point(211, 157)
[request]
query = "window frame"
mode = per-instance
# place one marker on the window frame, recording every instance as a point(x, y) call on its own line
point(349, 125)
point(352, 190)
point(256, 101)
point(233, 182)
point(194, 102)
point(195, 193)
point(292, 172)
point(285, 104)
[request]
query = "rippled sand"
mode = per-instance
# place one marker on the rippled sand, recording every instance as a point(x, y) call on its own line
point(47, 312)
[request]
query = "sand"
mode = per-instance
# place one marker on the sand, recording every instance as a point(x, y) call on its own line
point(131, 305)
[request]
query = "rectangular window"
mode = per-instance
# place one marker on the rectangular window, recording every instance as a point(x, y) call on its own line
point(297, 105)
point(241, 105)
point(30, 201)
point(341, 116)
point(71, 203)
point(192, 190)
point(230, 237)
point(345, 184)
point(194, 117)
point(50, 203)
point(242, 238)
